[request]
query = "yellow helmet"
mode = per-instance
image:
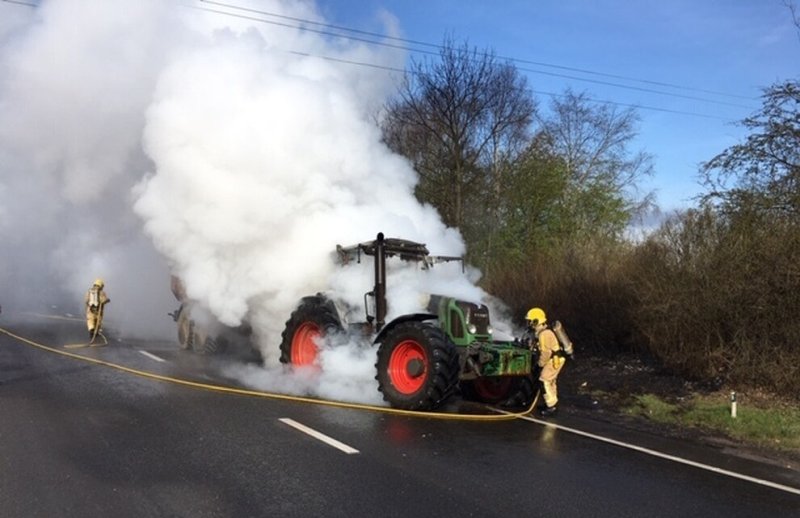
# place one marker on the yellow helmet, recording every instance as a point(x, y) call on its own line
point(98, 282)
point(536, 316)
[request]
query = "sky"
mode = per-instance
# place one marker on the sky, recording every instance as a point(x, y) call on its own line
point(709, 58)
point(236, 149)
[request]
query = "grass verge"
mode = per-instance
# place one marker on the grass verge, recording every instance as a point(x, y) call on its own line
point(776, 427)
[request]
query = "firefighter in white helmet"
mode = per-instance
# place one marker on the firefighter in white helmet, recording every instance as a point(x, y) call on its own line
point(95, 301)
point(551, 358)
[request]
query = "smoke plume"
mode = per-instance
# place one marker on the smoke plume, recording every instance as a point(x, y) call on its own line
point(154, 138)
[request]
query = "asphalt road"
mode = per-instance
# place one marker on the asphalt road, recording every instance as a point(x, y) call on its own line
point(79, 438)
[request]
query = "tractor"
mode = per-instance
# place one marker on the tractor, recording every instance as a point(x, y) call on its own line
point(424, 357)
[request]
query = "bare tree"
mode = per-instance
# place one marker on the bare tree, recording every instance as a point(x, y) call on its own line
point(457, 119)
point(795, 16)
point(763, 172)
point(593, 141)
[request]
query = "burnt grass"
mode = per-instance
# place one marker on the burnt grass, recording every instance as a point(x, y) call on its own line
point(604, 389)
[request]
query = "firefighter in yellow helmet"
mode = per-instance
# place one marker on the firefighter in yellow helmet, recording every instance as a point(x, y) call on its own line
point(95, 301)
point(551, 358)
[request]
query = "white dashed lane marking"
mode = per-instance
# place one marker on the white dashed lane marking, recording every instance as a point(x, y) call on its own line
point(319, 436)
point(153, 356)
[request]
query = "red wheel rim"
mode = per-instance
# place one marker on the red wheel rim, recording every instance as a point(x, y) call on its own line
point(492, 388)
point(304, 346)
point(404, 361)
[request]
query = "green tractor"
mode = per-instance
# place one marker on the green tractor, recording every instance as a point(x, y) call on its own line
point(425, 357)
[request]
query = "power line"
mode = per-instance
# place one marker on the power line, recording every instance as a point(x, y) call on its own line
point(540, 92)
point(372, 65)
point(440, 47)
point(506, 58)
point(19, 2)
point(403, 71)
point(326, 33)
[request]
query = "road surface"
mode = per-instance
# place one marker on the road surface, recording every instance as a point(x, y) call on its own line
point(83, 432)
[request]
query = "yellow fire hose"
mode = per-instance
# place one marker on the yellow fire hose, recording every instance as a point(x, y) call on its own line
point(96, 331)
point(499, 415)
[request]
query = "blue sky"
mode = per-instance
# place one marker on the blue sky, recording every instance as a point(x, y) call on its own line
point(719, 53)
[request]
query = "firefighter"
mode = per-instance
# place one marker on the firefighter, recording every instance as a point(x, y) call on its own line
point(551, 358)
point(95, 301)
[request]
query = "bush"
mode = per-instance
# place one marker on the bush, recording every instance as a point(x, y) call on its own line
point(716, 298)
point(577, 284)
point(712, 297)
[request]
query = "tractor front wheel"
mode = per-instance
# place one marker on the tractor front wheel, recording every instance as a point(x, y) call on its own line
point(314, 319)
point(417, 366)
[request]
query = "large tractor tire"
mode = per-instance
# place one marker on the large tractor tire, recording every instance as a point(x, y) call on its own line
point(313, 319)
point(508, 391)
point(417, 366)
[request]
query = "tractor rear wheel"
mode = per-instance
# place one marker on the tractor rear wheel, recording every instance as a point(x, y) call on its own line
point(314, 319)
point(417, 366)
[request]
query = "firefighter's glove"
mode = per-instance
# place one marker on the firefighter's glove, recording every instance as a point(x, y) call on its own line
point(565, 355)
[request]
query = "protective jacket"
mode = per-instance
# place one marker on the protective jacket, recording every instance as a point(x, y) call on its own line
point(551, 363)
point(95, 299)
point(550, 359)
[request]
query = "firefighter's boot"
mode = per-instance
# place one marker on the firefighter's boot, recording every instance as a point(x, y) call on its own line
point(550, 411)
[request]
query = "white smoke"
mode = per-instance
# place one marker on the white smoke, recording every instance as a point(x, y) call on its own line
point(75, 80)
point(244, 152)
point(264, 161)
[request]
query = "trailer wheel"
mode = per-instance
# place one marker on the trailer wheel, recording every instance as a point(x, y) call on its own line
point(185, 328)
point(313, 319)
point(417, 366)
point(209, 345)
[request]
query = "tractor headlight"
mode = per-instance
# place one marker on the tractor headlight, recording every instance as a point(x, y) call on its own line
point(472, 329)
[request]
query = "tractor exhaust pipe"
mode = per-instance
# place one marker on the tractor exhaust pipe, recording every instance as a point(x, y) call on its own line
point(380, 282)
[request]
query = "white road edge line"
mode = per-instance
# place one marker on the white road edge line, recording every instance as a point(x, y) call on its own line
point(153, 356)
point(654, 453)
point(320, 436)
